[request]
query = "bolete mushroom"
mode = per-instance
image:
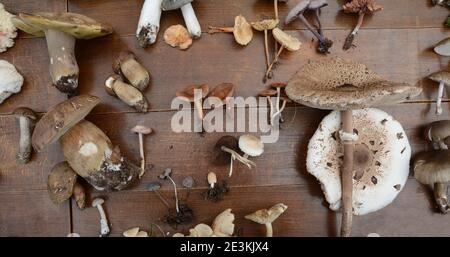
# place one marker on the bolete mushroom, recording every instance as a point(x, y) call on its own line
point(433, 168)
point(268, 93)
point(142, 130)
point(148, 26)
point(79, 195)
point(265, 25)
point(267, 217)
point(7, 29)
point(443, 78)
point(227, 148)
point(10, 80)
point(242, 30)
point(61, 182)
point(192, 24)
point(298, 13)
point(134, 72)
point(438, 133)
point(338, 84)
point(27, 120)
point(85, 147)
point(177, 36)
point(115, 86)
point(443, 47)
point(61, 31)
point(361, 7)
point(195, 94)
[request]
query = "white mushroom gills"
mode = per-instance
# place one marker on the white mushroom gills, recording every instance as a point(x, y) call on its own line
point(192, 24)
point(149, 22)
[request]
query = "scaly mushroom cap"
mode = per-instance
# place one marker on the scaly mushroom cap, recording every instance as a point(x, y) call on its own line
point(223, 225)
point(338, 84)
point(439, 76)
point(77, 25)
point(60, 183)
point(296, 11)
point(60, 118)
point(366, 6)
point(381, 159)
point(267, 216)
point(266, 24)
point(287, 41)
point(432, 167)
point(251, 145)
point(243, 32)
point(168, 5)
point(188, 93)
point(221, 157)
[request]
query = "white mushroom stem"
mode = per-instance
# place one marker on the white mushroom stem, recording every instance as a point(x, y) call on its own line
point(148, 25)
point(192, 24)
point(440, 196)
point(347, 175)
point(231, 166)
point(270, 109)
point(266, 48)
point(269, 69)
point(104, 228)
point(439, 98)
point(269, 230)
point(141, 151)
point(23, 156)
point(240, 158)
point(283, 106)
point(176, 193)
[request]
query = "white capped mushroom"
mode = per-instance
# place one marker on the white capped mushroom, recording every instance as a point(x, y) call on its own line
point(223, 225)
point(381, 159)
point(251, 145)
point(10, 80)
point(7, 30)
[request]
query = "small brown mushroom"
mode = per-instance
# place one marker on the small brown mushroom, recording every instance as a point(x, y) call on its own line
point(141, 131)
point(242, 30)
point(133, 71)
point(194, 94)
point(27, 120)
point(219, 94)
point(267, 217)
point(130, 95)
point(438, 133)
point(178, 36)
point(61, 182)
point(266, 25)
point(443, 78)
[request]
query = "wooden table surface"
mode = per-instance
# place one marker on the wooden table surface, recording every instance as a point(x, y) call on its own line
point(396, 43)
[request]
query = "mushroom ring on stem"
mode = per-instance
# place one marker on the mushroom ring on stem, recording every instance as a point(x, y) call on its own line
point(85, 147)
point(438, 133)
point(61, 31)
point(27, 120)
point(338, 84)
point(192, 24)
point(242, 30)
point(148, 26)
point(443, 78)
point(267, 217)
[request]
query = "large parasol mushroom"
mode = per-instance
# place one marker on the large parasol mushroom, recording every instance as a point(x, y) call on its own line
point(343, 85)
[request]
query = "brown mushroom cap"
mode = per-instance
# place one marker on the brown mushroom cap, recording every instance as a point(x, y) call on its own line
point(432, 167)
point(366, 6)
point(438, 130)
point(440, 76)
point(25, 112)
point(77, 25)
point(268, 92)
point(266, 24)
point(338, 84)
point(187, 93)
point(123, 57)
point(287, 41)
point(60, 183)
point(60, 118)
point(222, 91)
point(242, 31)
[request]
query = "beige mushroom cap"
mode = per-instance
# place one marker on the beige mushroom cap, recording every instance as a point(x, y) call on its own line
point(223, 225)
point(432, 167)
point(440, 76)
point(251, 145)
point(267, 216)
point(243, 32)
point(287, 41)
point(178, 36)
point(266, 24)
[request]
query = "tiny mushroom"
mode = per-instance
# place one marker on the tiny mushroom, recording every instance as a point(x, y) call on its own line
point(242, 30)
point(177, 36)
point(192, 24)
point(10, 80)
point(61, 31)
point(195, 94)
point(268, 93)
point(223, 225)
point(7, 29)
point(267, 217)
point(133, 71)
point(443, 47)
point(115, 86)
point(27, 120)
point(104, 227)
point(433, 168)
point(141, 131)
point(266, 25)
point(166, 176)
point(148, 26)
point(134, 232)
point(154, 187)
point(61, 182)
point(443, 78)
point(279, 87)
point(438, 133)
point(215, 190)
point(227, 148)
point(361, 7)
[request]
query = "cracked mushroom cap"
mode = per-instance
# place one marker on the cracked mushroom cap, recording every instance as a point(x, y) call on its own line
point(440, 76)
point(366, 6)
point(381, 159)
point(266, 24)
point(77, 25)
point(168, 5)
point(60, 182)
point(188, 93)
point(338, 84)
point(223, 225)
point(296, 11)
point(432, 167)
point(267, 216)
point(287, 41)
point(242, 31)
point(251, 145)
point(60, 118)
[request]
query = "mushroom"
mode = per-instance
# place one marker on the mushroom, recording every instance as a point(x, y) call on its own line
point(438, 133)
point(268, 93)
point(79, 195)
point(27, 119)
point(279, 86)
point(227, 148)
point(192, 24)
point(219, 95)
point(104, 228)
point(148, 26)
point(134, 232)
point(287, 42)
point(433, 168)
point(189, 183)
point(223, 225)
point(115, 86)
point(242, 30)
point(73, 235)
point(265, 25)
point(166, 176)
point(61, 182)
point(267, 217)
point(215, 190)
point(316, 6)
point(195, 94)
point(61, 31)
point(298, 12)
point(251, 146)
point(85, 147)
point(443, 47)
point(7, 29)
point(443, 78)
point(177, 36)
point(136, 74)
point(141, 131)
point(10, 80)
point(154, 187)
point(344, 85)
point(361, 7)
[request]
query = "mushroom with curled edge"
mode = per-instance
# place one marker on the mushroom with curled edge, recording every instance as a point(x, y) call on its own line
point(61, 31)
point(227, 148)
point(149, 22)
point(177, 36)
point(242, 30)
point(433, 168)
point(265, 26)
point(219, 96)
point(27, 120)
point(362, 8)
point(438, 133)
point(134, 72)
point(115, 86)
point(443, 47)
point(195, 94)
point(443, 78)
point(85, 147)
point(344, 85)
point(267, 217)
point(141, 131)
point(192, 24)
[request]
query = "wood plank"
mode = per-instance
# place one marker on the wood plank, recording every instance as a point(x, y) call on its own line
point(31, 213)
point(396, 14)
point(307, 215)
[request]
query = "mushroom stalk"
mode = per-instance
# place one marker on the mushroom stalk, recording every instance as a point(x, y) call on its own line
point(63, 64)
point(269, 69)
point(349, 40)
point(270, 109)
point(176, 193)
point(324, 43)
point(141, 151)
point(243, 160)
point(104, 228)
point(283, 106)
point(319, 24)
point(269, 230)
point(192, 24)
point(439, 98)
point(24, 154)
point(231, 166)
point(440, 196)
point(266, 48)
point(347, 175)
point(213, 29)
point(149, 20)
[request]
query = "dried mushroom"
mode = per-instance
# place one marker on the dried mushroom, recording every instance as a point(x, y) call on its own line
point(242, 30)
point(222, 227)
point(265, 25)
point(177, 36)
